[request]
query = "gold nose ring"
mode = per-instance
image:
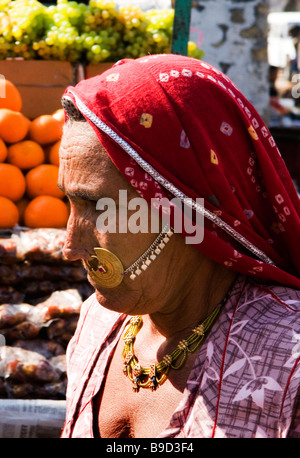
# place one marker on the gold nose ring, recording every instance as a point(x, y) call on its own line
point(105, 268)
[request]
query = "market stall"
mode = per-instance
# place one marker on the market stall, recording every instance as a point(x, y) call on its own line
point(40, 296)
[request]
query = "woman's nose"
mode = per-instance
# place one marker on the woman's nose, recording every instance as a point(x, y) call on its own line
point(75, 246)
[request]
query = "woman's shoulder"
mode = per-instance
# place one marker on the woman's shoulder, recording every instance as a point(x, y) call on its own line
point(285, 297)
point(270, 306)
point(95, 324)
point(96, 318)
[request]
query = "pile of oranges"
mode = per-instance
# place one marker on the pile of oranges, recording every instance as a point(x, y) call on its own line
point(29, 160)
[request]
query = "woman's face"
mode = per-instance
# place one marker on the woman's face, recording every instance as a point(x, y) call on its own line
point(86, 175)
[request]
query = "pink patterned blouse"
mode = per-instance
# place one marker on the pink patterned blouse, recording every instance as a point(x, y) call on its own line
point(245, 382)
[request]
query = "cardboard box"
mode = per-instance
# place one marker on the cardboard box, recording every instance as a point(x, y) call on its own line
point(41, 83)
point(96, 69)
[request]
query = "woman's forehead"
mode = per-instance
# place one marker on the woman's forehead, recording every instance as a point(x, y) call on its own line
point(84, 160)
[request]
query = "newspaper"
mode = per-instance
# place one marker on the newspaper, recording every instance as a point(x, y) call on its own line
point(32, 418)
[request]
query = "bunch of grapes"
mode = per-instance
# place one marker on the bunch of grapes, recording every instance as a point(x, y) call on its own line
point(79, 32)
point(160, 26)
point(88, 33)
point(136, 40)
point(21, 23)
point(61, 37)
point(101, 32)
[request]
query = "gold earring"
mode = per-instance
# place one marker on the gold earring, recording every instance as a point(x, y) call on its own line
point(105, 268)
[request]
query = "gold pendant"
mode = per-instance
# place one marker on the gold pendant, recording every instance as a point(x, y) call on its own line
point(105, 268)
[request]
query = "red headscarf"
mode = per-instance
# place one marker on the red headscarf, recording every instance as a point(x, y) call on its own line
point(176, 126)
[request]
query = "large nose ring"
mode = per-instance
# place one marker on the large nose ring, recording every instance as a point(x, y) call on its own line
point(105, 268)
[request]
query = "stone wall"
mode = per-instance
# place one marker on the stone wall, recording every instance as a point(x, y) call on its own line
point(284, 5)
point(233, 34)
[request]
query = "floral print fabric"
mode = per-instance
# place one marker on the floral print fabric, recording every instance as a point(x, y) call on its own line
point(244, 383)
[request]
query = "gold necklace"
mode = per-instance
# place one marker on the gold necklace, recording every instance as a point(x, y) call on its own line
point(156, 374)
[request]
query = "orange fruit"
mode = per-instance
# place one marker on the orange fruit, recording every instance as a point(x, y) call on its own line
point(13, 125)
point(46, 211)
point(25, 154)
point(3, 151)
point(42, 180)
point(21, 206)
point(10, 95)
point(9, 214)
point(45, 129)
point(59, 115)
point(54, 153)
point(12, 182)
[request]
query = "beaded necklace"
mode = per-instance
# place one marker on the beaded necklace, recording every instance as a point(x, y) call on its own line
point(156, 374)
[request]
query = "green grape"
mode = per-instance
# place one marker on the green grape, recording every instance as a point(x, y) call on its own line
point(96, 49)
point(194, 51)
point(89, 41)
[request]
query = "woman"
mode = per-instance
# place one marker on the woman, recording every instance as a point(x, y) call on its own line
point(183, 337)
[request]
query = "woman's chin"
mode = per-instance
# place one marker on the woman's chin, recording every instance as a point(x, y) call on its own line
point(113, 299)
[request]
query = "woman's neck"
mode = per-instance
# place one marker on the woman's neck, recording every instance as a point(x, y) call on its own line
point(191, 304)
